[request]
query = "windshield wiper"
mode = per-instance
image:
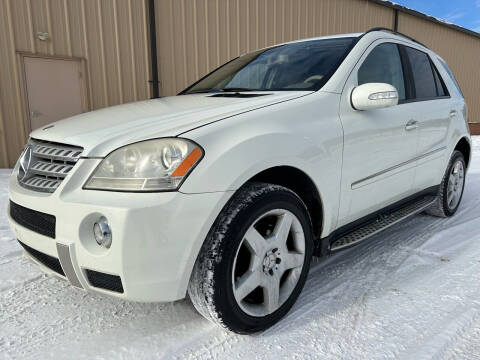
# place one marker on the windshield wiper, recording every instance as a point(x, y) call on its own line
point(235, 89)
point(232, 89)
point(202, 91)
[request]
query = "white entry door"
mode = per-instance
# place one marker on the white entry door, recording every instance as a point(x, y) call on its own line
point(54, 89)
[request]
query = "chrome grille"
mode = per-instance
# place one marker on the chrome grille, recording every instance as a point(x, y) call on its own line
point(44, 165)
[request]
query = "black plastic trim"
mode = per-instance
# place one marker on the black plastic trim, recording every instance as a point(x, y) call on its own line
point(323, 245)
point(46, 260)
point(442, 82)
point(104, 281)
point(238, 95)
point(39, 222)
point(407, 74)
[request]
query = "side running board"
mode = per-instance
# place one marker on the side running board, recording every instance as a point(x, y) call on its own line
point(381, 222)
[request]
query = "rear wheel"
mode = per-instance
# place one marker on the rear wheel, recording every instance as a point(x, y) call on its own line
point(451, 189)
point(255, 260)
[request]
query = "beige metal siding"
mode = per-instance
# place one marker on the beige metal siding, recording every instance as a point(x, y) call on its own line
point(193, 37)
point(110, 35)
point(196, 36)
point(460, 50)
point(10, 97)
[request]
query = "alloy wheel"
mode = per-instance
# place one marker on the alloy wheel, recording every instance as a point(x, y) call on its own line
point(455, 184)
point(268, 262)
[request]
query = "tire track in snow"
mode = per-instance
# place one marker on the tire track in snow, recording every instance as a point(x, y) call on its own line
point(438, 345)
point(353, 258)
point(391, 262)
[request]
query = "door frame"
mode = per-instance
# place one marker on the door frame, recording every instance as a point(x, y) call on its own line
point(21, 55)
point(381, 174)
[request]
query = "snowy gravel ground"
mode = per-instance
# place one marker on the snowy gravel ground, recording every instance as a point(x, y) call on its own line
point(411, 292)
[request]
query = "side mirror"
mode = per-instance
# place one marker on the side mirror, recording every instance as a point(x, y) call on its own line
point(374, 96)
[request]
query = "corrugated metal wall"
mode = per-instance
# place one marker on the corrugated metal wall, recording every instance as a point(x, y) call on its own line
point(196, 36)
point(461, 51)
point(110, 35)
point(193, 37)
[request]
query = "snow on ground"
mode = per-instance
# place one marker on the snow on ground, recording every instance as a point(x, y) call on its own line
point(411, 292)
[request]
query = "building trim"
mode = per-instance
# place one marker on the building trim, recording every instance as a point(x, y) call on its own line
point(474, 128)
point(395, 19)
point(153, 49)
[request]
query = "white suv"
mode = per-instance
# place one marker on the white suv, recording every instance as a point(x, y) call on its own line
point(226, 190)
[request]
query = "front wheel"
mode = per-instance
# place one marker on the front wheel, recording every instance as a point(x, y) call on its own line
point(255, 260)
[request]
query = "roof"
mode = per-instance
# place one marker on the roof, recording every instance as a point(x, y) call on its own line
point(421, 15)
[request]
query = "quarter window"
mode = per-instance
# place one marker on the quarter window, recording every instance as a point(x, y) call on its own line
point(441, 88)
point(449, 72)
point(383, 65)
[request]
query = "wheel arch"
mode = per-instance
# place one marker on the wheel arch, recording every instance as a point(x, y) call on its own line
point(463, 145)
point(301, 184)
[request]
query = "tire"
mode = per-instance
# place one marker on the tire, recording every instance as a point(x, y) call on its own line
point(227, 258)
point(443, 206)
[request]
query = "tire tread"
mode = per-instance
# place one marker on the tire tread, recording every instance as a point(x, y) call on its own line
point(201, 287)
point(438, 209)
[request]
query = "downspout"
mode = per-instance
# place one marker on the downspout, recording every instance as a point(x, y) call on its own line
point(153, 50)
point(395, 19)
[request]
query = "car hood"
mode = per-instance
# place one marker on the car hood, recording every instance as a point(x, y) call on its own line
point(102, 131)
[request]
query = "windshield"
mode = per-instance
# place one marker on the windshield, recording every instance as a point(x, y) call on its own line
point(304, 65)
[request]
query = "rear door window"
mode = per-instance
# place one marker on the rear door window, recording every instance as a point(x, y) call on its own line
point(423, 77)
point(383, 65)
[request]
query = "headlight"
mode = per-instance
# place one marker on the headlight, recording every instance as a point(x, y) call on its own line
point(152, 165)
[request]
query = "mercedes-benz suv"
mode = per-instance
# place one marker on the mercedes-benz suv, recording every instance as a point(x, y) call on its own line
point(225, 191)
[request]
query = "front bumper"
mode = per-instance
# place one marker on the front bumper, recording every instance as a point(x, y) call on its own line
point(156, 236)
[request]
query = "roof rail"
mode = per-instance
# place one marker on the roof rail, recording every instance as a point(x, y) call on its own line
point(393, 32)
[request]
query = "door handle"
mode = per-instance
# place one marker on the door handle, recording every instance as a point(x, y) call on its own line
point(411, 125)
point(453, 113)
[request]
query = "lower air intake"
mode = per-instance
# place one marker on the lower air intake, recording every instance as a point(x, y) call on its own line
point(46, 260)
point(104, 281)
point(36, 221)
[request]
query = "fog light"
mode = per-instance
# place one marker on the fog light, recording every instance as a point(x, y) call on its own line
point(102, 233)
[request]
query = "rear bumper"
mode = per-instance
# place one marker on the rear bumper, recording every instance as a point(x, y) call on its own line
point(156, 236)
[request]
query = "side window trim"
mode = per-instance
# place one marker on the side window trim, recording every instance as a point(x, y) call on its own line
point(407, 74)
point(434, 77)
point(436, 74)
point(411, 79)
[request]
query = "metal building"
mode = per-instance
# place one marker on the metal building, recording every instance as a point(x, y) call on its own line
point(62, 57)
